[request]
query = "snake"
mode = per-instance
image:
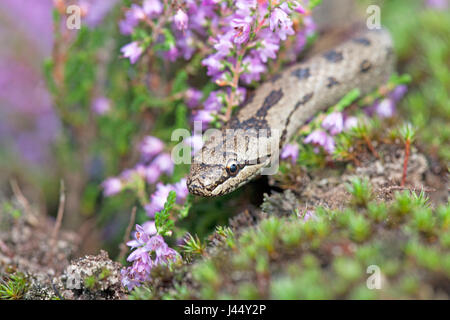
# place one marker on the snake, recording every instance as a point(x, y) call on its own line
point(253, 137)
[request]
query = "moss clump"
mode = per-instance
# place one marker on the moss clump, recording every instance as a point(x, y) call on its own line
point(330, 256)
point(13, 287)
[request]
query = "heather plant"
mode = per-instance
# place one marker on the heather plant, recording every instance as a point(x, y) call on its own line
point(136, 70)
point(169, 46)
point(235, 42)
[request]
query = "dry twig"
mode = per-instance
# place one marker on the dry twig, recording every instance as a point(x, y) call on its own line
point(123, 246)
point(59, 217)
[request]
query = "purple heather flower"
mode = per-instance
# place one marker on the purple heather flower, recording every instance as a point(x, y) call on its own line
point(290, 150)
point(149, 227)
point(152, 174)
point(214, 65)
point(152, 8)
point(223, 44)
point(111, 186)
point(242, 27)
point(269, 45)
point(281, 23)
point(167, 255)
point(310, 25)
point(131, 20)
point(137, 12)
point(132, 51)
point(246, 5)
point(309, 215)
point(158, 199)
point(350, 122)
point(321, 138)
point(241, 94)
point(156, 244)
point(164, 163)
point(398, 92)
point(195, 142)
point(96, 11)
point(193, 97)
point(141, 237)
point(181, 20)
point(204, 116)
point(300, 43)
point(163, 254)
point(334, 123)
point(128, 279)
point(101, 105)
point(437, 4)
point(126, 27)
point(302, 36)
point(150, 250)
point(253, 69)
point(127, 174)
point(181, 190)
point(143, 265)
point(298, 7)
point(214, 101)
point(385, 108)
point(295, 5)
point(150, 147)
point(172, 54)
point(186, 45)
point(140, 170)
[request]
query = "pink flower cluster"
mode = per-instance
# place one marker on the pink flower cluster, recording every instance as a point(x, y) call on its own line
point(236, 40)
point(337, 122)
point(154, 162)
point(150, 251)
point(158, 198)
point(386, 107)
point(246, 36)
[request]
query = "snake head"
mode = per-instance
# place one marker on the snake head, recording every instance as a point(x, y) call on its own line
point(227, 162)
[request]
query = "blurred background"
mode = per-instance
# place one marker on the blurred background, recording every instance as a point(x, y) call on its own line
point(72, 110)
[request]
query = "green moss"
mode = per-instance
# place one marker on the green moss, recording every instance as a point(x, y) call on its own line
point(13, 287)
point(377, 211)
point(328, 256)
point(360, 191)
point(90, 282)
point(359, 228)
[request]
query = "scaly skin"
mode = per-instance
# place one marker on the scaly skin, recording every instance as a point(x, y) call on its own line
point(281, 106)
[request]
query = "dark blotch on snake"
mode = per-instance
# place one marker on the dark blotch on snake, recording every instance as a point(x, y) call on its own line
point(364, 41)
point(332, 82)
point(275, 78)
point(304, 100)
point(365, 66)
point(272, 99)
point(301, 73)
point(333, 56)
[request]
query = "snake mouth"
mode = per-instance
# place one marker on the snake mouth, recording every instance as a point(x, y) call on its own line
point(196, 187)
point(198, 190)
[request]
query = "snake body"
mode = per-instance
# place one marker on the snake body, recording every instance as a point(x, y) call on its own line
point(282, 105)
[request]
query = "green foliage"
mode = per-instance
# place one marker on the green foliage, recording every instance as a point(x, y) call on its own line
point(193, 245)
point(13, 287)
point(327, 257)
point(407, 132)
point(163, 223)
point(11, 210)
point(360, 190)
point(422, 48)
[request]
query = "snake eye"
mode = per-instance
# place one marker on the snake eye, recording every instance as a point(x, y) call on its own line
point(232, 168)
